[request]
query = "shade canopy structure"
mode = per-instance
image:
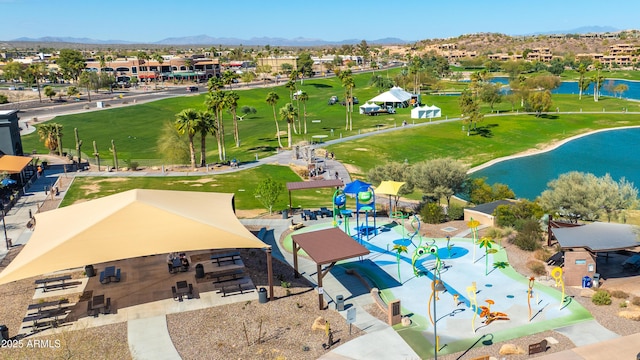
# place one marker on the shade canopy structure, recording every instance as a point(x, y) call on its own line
point(326, 246)
point(598, 237)
point(314, 184)
point(369, 107)
point(395, 95)
point(13, 164)
point(130, 224)
point(426, 112)
point(390, 188)
point(355, 187)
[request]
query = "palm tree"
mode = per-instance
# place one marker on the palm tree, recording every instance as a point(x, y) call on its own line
point(39, 71)
point(272, 99)
point(231, 101)
point(159, 59)
point(598, 80)
point(348, 84)
point(291, 85)
point(186, 122)
point(48, 132)
point(289, 113)
point(304, 97)
point(583, 83)
point(214, 84)
point(205, 125)
point(215, 102)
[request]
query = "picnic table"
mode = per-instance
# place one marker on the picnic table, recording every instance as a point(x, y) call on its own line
point(109, 274)
point(219, 258)
point(40, 306)
point(182, 289)
point(58, 280)
point(227, 275)
point(632, 263)
point(239, 285)
point(99, 304)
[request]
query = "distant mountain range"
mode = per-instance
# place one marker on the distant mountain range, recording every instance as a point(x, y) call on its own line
point(208, 40)
point(581, 30)
point(261, 41)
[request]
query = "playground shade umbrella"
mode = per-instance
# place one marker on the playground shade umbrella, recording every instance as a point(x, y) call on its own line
point(390, 188)
point(355, 187)
point(7, 182)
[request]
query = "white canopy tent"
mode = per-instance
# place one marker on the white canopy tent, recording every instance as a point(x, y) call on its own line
point(426, 112)
point(394, 96)
point(369, 107)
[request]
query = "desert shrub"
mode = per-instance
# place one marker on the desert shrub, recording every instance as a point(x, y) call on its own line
point(3, 99)
point(529, 237)
point(619, 294)
point(635, 301)
point(623, 304)
point(455, 212)
point(432, 213)
point(601, 297)
point(542, 254)
point(537, 267)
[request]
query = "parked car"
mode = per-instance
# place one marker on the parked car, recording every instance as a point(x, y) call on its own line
point(192, 88)
point(355, 101)
point(333, 100)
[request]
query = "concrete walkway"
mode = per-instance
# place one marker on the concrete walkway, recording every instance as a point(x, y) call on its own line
point(149, 339)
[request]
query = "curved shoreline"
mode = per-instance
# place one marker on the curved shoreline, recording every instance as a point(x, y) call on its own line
point(546, 149)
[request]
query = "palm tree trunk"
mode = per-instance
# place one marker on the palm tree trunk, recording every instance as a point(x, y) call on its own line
point(289, 142)
point(203, 149)
point(224, 150)
point(192, 152)
point(218, 137)
point(236, 132)
point(277, 127)
point(304, 108)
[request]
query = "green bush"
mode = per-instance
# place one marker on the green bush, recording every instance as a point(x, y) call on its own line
point(432, 213)
point(601, 297)
point(455, 212)
point(3, 99)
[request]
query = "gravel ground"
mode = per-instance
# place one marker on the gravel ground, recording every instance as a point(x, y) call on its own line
point(277, 330)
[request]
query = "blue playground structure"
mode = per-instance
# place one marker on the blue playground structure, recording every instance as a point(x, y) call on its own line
point(365, 202)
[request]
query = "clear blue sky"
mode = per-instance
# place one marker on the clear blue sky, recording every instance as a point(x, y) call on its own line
point(332, 20)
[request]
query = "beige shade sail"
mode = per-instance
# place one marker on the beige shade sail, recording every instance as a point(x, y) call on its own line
point(13, 164)
point(127, 225)
point(388, 187)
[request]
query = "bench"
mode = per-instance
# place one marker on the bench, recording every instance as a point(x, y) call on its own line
point(44, 318)
point(234, 286)
point(90, 310)
point(379, 301)
point(40, 306)
point(538, 347)
point(227, 275)
point(225, 257)
point(46, 286)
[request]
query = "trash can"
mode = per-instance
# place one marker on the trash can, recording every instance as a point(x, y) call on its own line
point(4, 332)
point(596, 280)
point(586, 282)
point(262, 296)
point(340, 303)
point(285, 214)
point(199, 271)
point(89, 270)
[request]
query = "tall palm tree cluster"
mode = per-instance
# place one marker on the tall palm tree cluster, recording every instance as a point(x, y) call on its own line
point(289, 112)
point(203, 123)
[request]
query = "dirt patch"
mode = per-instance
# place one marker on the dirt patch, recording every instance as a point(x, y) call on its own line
point(361, 149)
point(352, 169)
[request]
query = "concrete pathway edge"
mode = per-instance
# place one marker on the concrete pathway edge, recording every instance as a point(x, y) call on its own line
point(149, 338)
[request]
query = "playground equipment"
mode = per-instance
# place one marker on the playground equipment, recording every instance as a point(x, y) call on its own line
point(366, 202)
point(340, 210)
point(556, 274)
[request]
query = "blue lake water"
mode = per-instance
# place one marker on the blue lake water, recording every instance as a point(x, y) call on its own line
point(611, 152)
point(571, 87)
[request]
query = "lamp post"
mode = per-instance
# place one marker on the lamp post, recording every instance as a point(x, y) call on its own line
point(437, 286)
point(4, 226)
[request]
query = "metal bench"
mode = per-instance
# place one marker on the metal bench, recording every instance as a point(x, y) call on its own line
point(46, 286)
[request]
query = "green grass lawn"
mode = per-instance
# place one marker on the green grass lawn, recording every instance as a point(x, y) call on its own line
point(241, 183)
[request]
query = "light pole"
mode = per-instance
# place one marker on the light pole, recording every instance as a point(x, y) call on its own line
point(437, 286)
point(4, 227)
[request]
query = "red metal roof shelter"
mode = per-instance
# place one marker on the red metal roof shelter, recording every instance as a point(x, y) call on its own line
point(326, 246)
point(315, 184)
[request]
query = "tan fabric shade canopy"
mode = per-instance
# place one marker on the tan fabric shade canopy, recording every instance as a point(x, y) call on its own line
point(390, 188)
point(127, 225)
point(13, 164)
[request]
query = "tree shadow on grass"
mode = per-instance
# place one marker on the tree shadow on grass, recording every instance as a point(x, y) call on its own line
point(548, 116)
point(263, 148)
point(484, 131)
point(320, 86)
